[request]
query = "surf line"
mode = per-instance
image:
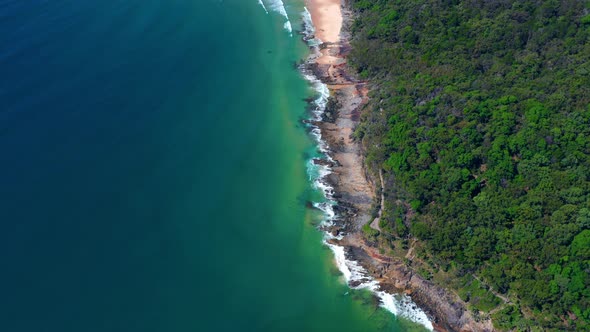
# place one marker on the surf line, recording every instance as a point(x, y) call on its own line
point(279, 7)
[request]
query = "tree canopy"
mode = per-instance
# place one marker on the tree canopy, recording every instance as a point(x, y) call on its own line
point(480, 119)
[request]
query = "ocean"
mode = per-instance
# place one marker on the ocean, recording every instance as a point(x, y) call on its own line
point(155, 172)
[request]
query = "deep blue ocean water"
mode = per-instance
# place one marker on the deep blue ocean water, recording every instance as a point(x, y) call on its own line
point(152, 172)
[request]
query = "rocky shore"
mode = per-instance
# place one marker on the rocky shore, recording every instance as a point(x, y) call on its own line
point(355, 188)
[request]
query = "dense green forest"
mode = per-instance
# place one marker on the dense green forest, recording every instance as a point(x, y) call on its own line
point(480, 120)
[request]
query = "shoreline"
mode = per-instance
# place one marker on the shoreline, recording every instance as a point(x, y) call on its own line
point(343, 178)
point(350, 189)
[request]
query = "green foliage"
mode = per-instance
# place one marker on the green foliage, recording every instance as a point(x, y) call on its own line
point(509, 318)
point(480, 115)
point(369, 232)
point(477, 295)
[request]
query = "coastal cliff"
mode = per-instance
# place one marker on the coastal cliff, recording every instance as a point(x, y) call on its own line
point(356, 190)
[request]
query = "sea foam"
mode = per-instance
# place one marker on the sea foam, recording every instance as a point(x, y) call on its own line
point(263, 6)
point(309, 30)
point(279, 7)
point(399, 305)
point(352, 272)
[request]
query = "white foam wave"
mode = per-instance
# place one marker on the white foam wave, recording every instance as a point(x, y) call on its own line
point(309, 29)
point(263, 6)
point(354, 274)
point(323, 93)
point(279, 7)
point(288, 27)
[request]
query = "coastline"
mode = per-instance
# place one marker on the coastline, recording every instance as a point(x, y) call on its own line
point(350, 188)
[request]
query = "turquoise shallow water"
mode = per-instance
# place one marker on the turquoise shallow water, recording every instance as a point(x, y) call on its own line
point(153, 173)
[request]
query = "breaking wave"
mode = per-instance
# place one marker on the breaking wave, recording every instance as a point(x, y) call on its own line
point(279, 7)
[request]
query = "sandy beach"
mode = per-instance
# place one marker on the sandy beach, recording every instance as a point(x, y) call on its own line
point(327, 19)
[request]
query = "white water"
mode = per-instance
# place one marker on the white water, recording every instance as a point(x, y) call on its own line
point(399, 305)
point(309, 31)
point(263, 6)
point(279, 7)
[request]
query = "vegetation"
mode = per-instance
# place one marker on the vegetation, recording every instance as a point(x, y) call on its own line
point(480, 120)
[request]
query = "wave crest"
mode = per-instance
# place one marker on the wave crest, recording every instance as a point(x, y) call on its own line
point(279, 7)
